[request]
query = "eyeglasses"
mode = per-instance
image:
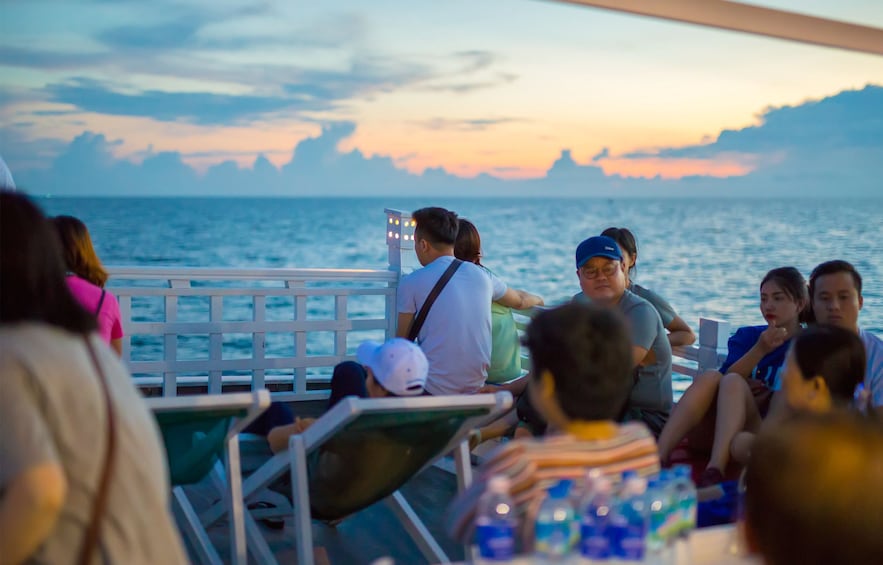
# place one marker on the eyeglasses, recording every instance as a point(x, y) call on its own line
point(607, 270)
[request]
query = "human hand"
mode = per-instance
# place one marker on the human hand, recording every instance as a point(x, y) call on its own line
point(490, 389)
point(301, 424)
point(773, 337)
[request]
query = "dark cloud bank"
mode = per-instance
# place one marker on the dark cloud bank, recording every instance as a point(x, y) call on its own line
point(831, 147)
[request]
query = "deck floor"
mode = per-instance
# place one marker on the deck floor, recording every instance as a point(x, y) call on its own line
point(373, 533)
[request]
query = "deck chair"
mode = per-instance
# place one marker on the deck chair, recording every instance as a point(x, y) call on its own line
point(199, 432)
point(363, 450)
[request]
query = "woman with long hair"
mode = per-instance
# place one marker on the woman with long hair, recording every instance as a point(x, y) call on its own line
point(506, 348)
point(755, 358)
point(86, 279)
point(83, 476)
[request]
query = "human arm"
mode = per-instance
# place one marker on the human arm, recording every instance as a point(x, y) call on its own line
point(519, 299)
point(404, 324)
point(645, 328)
point(32, 479)
point(516, 386)
point(29, 509)
point(771, 338)
point(680, 333)
point(278, 436)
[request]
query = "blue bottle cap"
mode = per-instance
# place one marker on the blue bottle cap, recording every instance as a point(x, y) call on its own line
point(561, 489)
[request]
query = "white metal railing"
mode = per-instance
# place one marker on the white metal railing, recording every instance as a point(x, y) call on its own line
point(285, 329)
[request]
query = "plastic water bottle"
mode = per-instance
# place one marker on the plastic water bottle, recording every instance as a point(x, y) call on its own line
point(495, 522)
point(554, 533)
point(684, 493)
point(594, 525)
point(660, 520)
point(628, 520)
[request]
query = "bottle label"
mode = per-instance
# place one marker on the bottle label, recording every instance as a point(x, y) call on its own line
point(594, 539)
point(553, 538)
point(496, 540)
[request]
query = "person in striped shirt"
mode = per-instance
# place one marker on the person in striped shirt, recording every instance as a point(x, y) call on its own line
point(582, 375)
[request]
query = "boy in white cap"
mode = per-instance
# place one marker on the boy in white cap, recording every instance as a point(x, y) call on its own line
point(395, 368)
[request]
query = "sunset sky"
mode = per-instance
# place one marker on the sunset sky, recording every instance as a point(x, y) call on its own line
point(470, 86)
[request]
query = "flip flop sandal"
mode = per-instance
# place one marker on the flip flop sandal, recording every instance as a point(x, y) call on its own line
point(277, 523)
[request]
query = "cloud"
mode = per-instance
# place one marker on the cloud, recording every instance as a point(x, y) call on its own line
point(851, 119)
point(603, 154)
point(848, 167)
point(203, 108)
point(45, 59)
point(478, 124)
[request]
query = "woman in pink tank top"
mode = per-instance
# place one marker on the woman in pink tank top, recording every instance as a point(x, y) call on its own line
point(86, 278)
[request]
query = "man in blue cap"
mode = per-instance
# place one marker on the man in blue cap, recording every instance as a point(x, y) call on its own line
point(601, 273)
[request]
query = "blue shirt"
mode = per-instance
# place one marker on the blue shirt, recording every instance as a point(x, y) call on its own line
point(769, 369)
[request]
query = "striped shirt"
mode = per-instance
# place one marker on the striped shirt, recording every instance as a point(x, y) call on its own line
point(533, 465)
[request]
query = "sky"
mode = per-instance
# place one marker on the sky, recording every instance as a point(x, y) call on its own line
point(462, 97)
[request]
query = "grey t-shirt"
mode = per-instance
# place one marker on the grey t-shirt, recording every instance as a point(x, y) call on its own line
point(52, 411)
point(666, 312)
point(652, 388)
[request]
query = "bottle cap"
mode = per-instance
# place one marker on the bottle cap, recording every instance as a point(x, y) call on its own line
point(499, 484)
point(562, 489)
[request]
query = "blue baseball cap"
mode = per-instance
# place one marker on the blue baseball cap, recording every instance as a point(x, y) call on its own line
point(598, 246)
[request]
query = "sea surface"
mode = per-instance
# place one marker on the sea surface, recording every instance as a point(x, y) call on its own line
point(706, 257)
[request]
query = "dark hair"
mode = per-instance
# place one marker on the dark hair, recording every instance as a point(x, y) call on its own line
point(626, 241)
point(436, 225)
point(468, 245)
point(792, 284)
point(32, 281)
point(79, 255)
point(587, 350)
point(835, 354)
point(830, 268)
point(813, 494)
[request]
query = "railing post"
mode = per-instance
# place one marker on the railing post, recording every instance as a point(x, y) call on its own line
point(400, 244)
point(713, 336)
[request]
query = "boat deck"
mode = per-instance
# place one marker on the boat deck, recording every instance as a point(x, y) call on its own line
point(366, 536)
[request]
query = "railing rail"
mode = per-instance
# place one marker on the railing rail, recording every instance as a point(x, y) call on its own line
point(286, 327)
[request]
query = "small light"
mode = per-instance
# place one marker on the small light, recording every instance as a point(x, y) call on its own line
point(390, 219)
point(397, 222)
point(397, 236)
point(389, 234)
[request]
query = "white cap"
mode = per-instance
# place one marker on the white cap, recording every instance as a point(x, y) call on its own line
point(398, 365)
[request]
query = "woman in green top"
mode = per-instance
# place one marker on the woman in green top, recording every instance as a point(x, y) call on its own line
point(506, 348)
point(679, 333)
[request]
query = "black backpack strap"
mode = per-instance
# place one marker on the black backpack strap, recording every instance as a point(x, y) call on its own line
point(100, 302)
point(433, 294)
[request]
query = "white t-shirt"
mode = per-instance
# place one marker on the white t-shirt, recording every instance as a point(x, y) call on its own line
point(874, 371)
point(456, 335)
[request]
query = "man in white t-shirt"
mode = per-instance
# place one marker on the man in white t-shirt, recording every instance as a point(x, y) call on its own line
point(456, 334)
point(835, 288)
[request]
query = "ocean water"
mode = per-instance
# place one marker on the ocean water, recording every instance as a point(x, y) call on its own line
point(706, 257)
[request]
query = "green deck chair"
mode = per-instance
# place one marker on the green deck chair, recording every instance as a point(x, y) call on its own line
point(199, 432)
point(363, 450)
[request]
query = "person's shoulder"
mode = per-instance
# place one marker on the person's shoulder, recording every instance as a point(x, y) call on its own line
point(871, 341)
point(749, 331)
point(633, 305)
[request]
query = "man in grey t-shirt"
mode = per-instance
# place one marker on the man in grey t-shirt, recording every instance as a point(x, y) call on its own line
point(602, 278)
